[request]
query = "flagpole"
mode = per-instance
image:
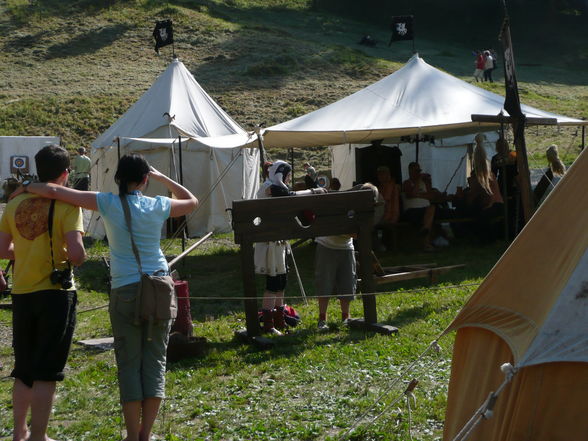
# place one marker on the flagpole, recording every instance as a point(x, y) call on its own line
point(413, 37)
point(512, 105)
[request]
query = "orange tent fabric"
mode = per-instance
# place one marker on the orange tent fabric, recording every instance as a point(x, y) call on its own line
point(531, 311)
point(543, 402)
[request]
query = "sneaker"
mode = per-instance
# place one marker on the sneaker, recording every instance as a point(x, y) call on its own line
point(440, 242)
point(322, 326)
point(346, 321)
point(273, 331)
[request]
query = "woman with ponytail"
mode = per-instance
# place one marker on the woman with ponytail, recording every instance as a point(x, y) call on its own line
point(483, 198)
point(552, 175)
point(140, 349)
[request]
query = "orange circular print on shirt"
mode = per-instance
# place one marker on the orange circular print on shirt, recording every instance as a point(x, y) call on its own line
point(31, 217)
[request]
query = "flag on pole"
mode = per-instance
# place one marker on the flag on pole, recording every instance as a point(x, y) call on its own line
point(512, 103)
point(402, 28)
point(163, 34)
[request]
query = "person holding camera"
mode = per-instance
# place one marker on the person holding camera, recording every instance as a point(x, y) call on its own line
point(44, 238)
point(140, 347)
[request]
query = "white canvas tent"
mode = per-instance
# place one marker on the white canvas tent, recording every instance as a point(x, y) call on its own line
point(176, 113)
point(531, 311)
point(28, 146)
point(416, 99)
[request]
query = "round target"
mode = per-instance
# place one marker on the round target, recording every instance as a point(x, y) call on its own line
point(322, 181)
point(19, 162)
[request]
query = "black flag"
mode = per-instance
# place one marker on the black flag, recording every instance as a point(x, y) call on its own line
point(512, 103)
point(163, 34)
point(402, 28)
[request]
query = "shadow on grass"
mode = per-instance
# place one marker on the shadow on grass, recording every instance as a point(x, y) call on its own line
point(288, 346)
point(89, 42)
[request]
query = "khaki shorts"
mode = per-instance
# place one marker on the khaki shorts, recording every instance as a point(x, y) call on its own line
point(334, 272)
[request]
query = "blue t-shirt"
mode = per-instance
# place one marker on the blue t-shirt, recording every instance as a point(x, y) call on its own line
point(147, 218)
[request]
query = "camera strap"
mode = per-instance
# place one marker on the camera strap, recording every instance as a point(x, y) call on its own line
point(50, 232)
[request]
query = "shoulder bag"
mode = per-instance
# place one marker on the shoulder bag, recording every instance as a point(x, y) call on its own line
point(156, 297)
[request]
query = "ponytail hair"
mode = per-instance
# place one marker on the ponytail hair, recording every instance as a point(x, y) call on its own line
point(555, 164)
point(131, 169)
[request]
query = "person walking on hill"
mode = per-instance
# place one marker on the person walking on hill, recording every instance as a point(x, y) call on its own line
point(140, 346)
point(488, 66)
point(479, 64)
point(44, 238)
point(81, 170)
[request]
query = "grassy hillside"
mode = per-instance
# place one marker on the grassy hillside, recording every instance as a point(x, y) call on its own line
point(71, 68)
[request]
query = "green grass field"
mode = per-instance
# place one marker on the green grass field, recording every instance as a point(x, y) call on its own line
point(72, 68)
point(343, 384)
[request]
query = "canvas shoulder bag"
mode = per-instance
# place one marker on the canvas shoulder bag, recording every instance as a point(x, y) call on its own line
point(156, 297)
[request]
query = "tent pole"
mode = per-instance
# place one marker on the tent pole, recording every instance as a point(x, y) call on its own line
point(504, 189)
point(180, 158)
point(583, 137)
point(118, 147)
point(416, 141)
point(260, 144)
point(182, 183)
point(291, 151)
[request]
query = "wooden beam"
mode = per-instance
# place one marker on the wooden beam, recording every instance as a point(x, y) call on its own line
point(189, 250)
point(503, 119)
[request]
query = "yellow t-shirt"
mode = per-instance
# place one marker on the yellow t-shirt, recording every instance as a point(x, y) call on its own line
point(26, 220)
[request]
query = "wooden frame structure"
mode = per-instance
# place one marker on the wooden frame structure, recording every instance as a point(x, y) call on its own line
point(284, 218)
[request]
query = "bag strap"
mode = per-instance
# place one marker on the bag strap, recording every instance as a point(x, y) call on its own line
point(127, 211)
point(125, 205)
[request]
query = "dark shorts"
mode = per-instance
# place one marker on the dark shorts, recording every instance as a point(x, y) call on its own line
point(276, 283)
point(414, 215)
point(43, 324)
point(82, 184)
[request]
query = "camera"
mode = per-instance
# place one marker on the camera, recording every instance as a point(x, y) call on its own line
point(62, 277)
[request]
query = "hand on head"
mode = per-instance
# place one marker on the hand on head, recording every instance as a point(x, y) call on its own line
point(154, 173)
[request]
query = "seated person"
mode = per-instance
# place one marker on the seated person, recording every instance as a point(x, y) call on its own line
point(504, 167)
point(418, 194)
point(310, 177)
point(390, 191)
point(552, 175)
point(483, 199)
point(335, 185)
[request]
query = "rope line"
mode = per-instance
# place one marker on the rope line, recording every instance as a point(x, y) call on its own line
point(486, 410)
point(414, 291)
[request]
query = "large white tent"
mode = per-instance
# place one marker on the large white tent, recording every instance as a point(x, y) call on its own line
point(182, 132)
point(417, 99)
